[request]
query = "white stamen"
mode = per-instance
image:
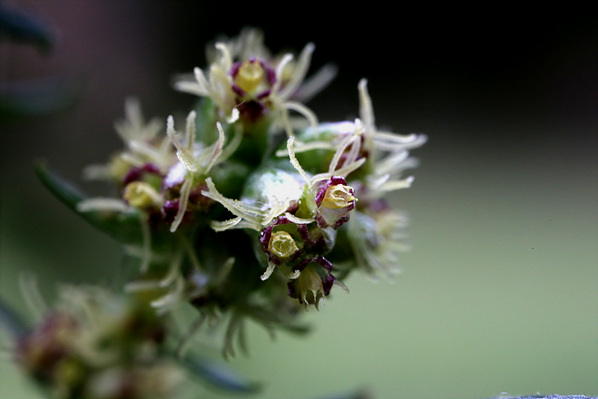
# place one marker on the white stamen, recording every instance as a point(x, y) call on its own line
point(104, 204)
point(303, 110)
point(279, 71)
point(226, 224)
point(298, 73)
point(366, 111)
point(183, 200)
point(297, 220)
point(294, 160)
point(268, 272)
point(250, 213)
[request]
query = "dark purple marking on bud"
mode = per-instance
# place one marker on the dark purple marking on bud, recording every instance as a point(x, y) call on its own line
point(340, 221)
point(234, 70)
point(322, 261)
point(265, 240)
point(136, 173)
point(327, 283)
point(325, 263)
point(264, 94)
point(304, 233)
point(294, 205)
point(238, 91)
point(151, 168)
point(170, 210)
point(321, 221)
point(270, 74)
point(252, 110)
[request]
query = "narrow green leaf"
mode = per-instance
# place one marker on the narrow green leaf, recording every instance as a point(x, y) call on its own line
point(122, 225)
point(218, 376)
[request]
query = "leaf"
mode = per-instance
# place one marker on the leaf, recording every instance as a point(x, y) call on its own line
point(11, 321)
point(20, 26)
point(122, 225)
point(218, 376)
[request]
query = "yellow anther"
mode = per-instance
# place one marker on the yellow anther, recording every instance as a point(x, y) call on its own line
point(282, 244)
point(141, 195)
point(250, 76)
point(337, 197)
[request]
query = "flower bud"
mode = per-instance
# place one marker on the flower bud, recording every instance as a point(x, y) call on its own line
point(142, 195)
point(282, 244)
point(309, 288)
point(249, 75)
point(335, 200)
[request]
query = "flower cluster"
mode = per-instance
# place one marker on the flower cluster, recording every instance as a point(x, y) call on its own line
point(250, 207)
point(95, 345)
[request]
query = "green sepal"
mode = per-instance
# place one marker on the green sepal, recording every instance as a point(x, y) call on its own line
point(123, 226)
point(217, 375)
point(205, 123)
point(229, 177)
point(11, 321)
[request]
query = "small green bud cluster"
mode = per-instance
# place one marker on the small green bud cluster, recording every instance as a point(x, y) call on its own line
point(250, 207)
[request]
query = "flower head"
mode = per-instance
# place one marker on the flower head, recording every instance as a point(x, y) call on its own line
point(295, 214)
point(146, 151)
point(246, 82)
point(313, 284)
point(97, 345)
point(195, 164)
point(305, 213)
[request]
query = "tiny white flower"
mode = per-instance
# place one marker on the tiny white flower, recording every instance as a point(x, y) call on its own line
point(244, 72)
point(389, 152)
point(195, 161)
point(143, 145)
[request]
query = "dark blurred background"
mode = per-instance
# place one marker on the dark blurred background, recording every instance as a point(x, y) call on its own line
point(499, 293)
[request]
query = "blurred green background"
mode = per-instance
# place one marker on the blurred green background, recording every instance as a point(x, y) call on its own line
point(500, 291)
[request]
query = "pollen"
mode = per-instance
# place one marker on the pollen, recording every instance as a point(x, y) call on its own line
point(250, 75)
point(282, 244)
point(141, 195)
point(338, 196)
